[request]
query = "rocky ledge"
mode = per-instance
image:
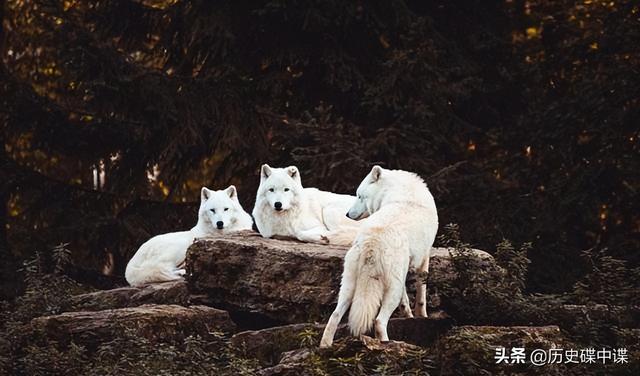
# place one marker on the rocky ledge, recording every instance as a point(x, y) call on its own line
point(155, 322)
point(287, 290)
point(287, 281)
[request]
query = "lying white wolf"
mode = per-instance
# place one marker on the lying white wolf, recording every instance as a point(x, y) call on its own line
point(396, 237)
point(284, 208)
point(160, 259)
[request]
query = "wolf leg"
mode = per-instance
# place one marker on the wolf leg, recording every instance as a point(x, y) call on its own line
point(420, 309)
point(342, 236)
point(344, 301)
point(390, 302)
point(405, 305)
point(313, 235)
point(345, 296)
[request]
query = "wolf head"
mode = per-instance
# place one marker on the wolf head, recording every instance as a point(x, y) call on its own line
point(369, 194)
point(219, 208)
point(280, 187)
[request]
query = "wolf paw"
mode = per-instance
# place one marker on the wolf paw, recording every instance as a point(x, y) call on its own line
point(421, 313)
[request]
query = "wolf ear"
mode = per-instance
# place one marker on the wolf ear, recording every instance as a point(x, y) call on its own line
point(265, 171)
point(205, 193)
point(376, 171)
point(294, 173)
point(231, 191)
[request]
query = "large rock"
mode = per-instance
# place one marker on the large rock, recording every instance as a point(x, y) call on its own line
point(352, 356)
point(174, 292)
point(153, 322)
point(289, 281)
point(267, 345)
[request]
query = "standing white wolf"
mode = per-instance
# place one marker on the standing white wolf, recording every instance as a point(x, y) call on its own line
point(284, 208)
point(396, 237)
point(160, 259)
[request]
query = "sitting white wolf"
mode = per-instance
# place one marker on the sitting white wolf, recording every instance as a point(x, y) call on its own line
point(396, 237)
point(160, 259)
point(284, 208)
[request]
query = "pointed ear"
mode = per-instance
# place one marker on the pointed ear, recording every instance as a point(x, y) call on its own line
point(376, 171)
point(265, 171)
point(205, 193)
point(294, 173)
point(231, 191)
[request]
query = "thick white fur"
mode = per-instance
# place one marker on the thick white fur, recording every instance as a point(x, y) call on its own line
point(397, 236)
point(307, 214)
point(160, 259)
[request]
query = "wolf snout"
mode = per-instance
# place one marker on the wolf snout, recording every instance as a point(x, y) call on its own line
point(220, 225)
point(278, 205)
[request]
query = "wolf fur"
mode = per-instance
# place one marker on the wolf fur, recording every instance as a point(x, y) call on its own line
point(284, 208)
point(161, 258)
point(396, 236)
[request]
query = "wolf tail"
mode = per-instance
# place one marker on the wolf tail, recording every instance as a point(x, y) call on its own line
point(369, 290)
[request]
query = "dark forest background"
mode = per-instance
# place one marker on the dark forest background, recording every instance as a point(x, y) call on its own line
point(523, 117)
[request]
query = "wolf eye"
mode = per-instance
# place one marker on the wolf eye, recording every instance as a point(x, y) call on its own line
point(214, 211)
point(286, 189)
point(225, 209)
point(271, 189)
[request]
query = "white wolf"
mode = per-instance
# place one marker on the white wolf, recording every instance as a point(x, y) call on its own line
point(284, 208)
point(160, 259)
point(397, 236)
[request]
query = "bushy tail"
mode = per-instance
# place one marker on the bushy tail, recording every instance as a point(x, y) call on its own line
point(368, 293)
